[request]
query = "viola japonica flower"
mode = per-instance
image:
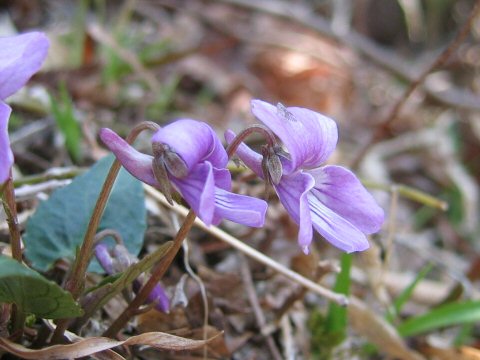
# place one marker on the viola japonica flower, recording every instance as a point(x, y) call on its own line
point(329, 199)
point(20, 57)
point(188, 154)
point(118, 259)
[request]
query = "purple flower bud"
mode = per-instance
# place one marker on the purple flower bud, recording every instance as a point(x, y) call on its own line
point(104, 258)
point(157, 296)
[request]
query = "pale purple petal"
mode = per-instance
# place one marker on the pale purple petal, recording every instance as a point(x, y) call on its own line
point(194, 141)
point(198, 190)
point(308, 136)
point(135, 162)
point(223, 179)
point(104, 258)
point(293, 191)
point(250, 158)
point(241, 209)
point(160, 298)
point(6, 155)
point(335, 229)
point(341, 191)
point(20, 57)
point(157, 295)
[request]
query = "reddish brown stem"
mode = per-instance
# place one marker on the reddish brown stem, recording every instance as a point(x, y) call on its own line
point(260, 129)
point(10, 206)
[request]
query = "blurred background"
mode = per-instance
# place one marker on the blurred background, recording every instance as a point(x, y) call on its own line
point(117, 63)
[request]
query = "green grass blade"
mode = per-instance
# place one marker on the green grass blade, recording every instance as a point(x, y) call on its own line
point(336, 322)
point(407, 293)
point(457, 313)
point(63, 112)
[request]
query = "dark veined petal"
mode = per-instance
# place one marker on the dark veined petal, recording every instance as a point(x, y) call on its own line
point(194, 141)
point(292, 191)
point(250, 158)
point(20, 57)
point(334, 228)
point(241, 209)
point(135, 162)
point(198, 190)
point(308, 136)
point(341, 191)
point(6, 155)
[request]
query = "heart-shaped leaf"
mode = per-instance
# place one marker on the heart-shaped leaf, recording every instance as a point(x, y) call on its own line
point(34, 294)
point(59, 223)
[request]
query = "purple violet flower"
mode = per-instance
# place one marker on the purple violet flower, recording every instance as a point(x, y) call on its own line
point(195, 162)
point(329, 199)
point(119, 262)
point(20, 57)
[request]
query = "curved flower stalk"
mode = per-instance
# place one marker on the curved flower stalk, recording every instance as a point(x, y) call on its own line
point(188, 155)
point(329, 199)
point(20, 57)
point(119, 259)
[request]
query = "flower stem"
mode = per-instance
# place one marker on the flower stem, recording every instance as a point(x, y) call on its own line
point(10, 206)
point(157, 275)
point(260, 129)
point(75, 282)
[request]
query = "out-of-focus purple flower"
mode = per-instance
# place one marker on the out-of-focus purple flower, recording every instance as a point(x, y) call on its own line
point(329, 199)
point(190, 154)
point(118, 259)
point(20, 57)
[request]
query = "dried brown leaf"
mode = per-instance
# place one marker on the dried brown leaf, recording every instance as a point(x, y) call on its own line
point(378, 331)
point(94, 345)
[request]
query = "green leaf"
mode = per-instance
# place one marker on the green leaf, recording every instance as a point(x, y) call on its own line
point(337, 315)
point(63, 112)
point(407, 293)
point(457, 313)
point(58, 226)
point(34, 294)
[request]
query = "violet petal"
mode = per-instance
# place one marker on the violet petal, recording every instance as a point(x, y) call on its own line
point(135, 162)
point(194, 141)
point(160, 298)
point(6, 155)
point(308, 136)
point(293, 191)
point(241, 209)
point(334, 228)
point(223, 179)
point(341, 191)
point(20, 57)
point(198, 191)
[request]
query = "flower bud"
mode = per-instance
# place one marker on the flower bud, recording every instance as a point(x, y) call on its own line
point(104, 258)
